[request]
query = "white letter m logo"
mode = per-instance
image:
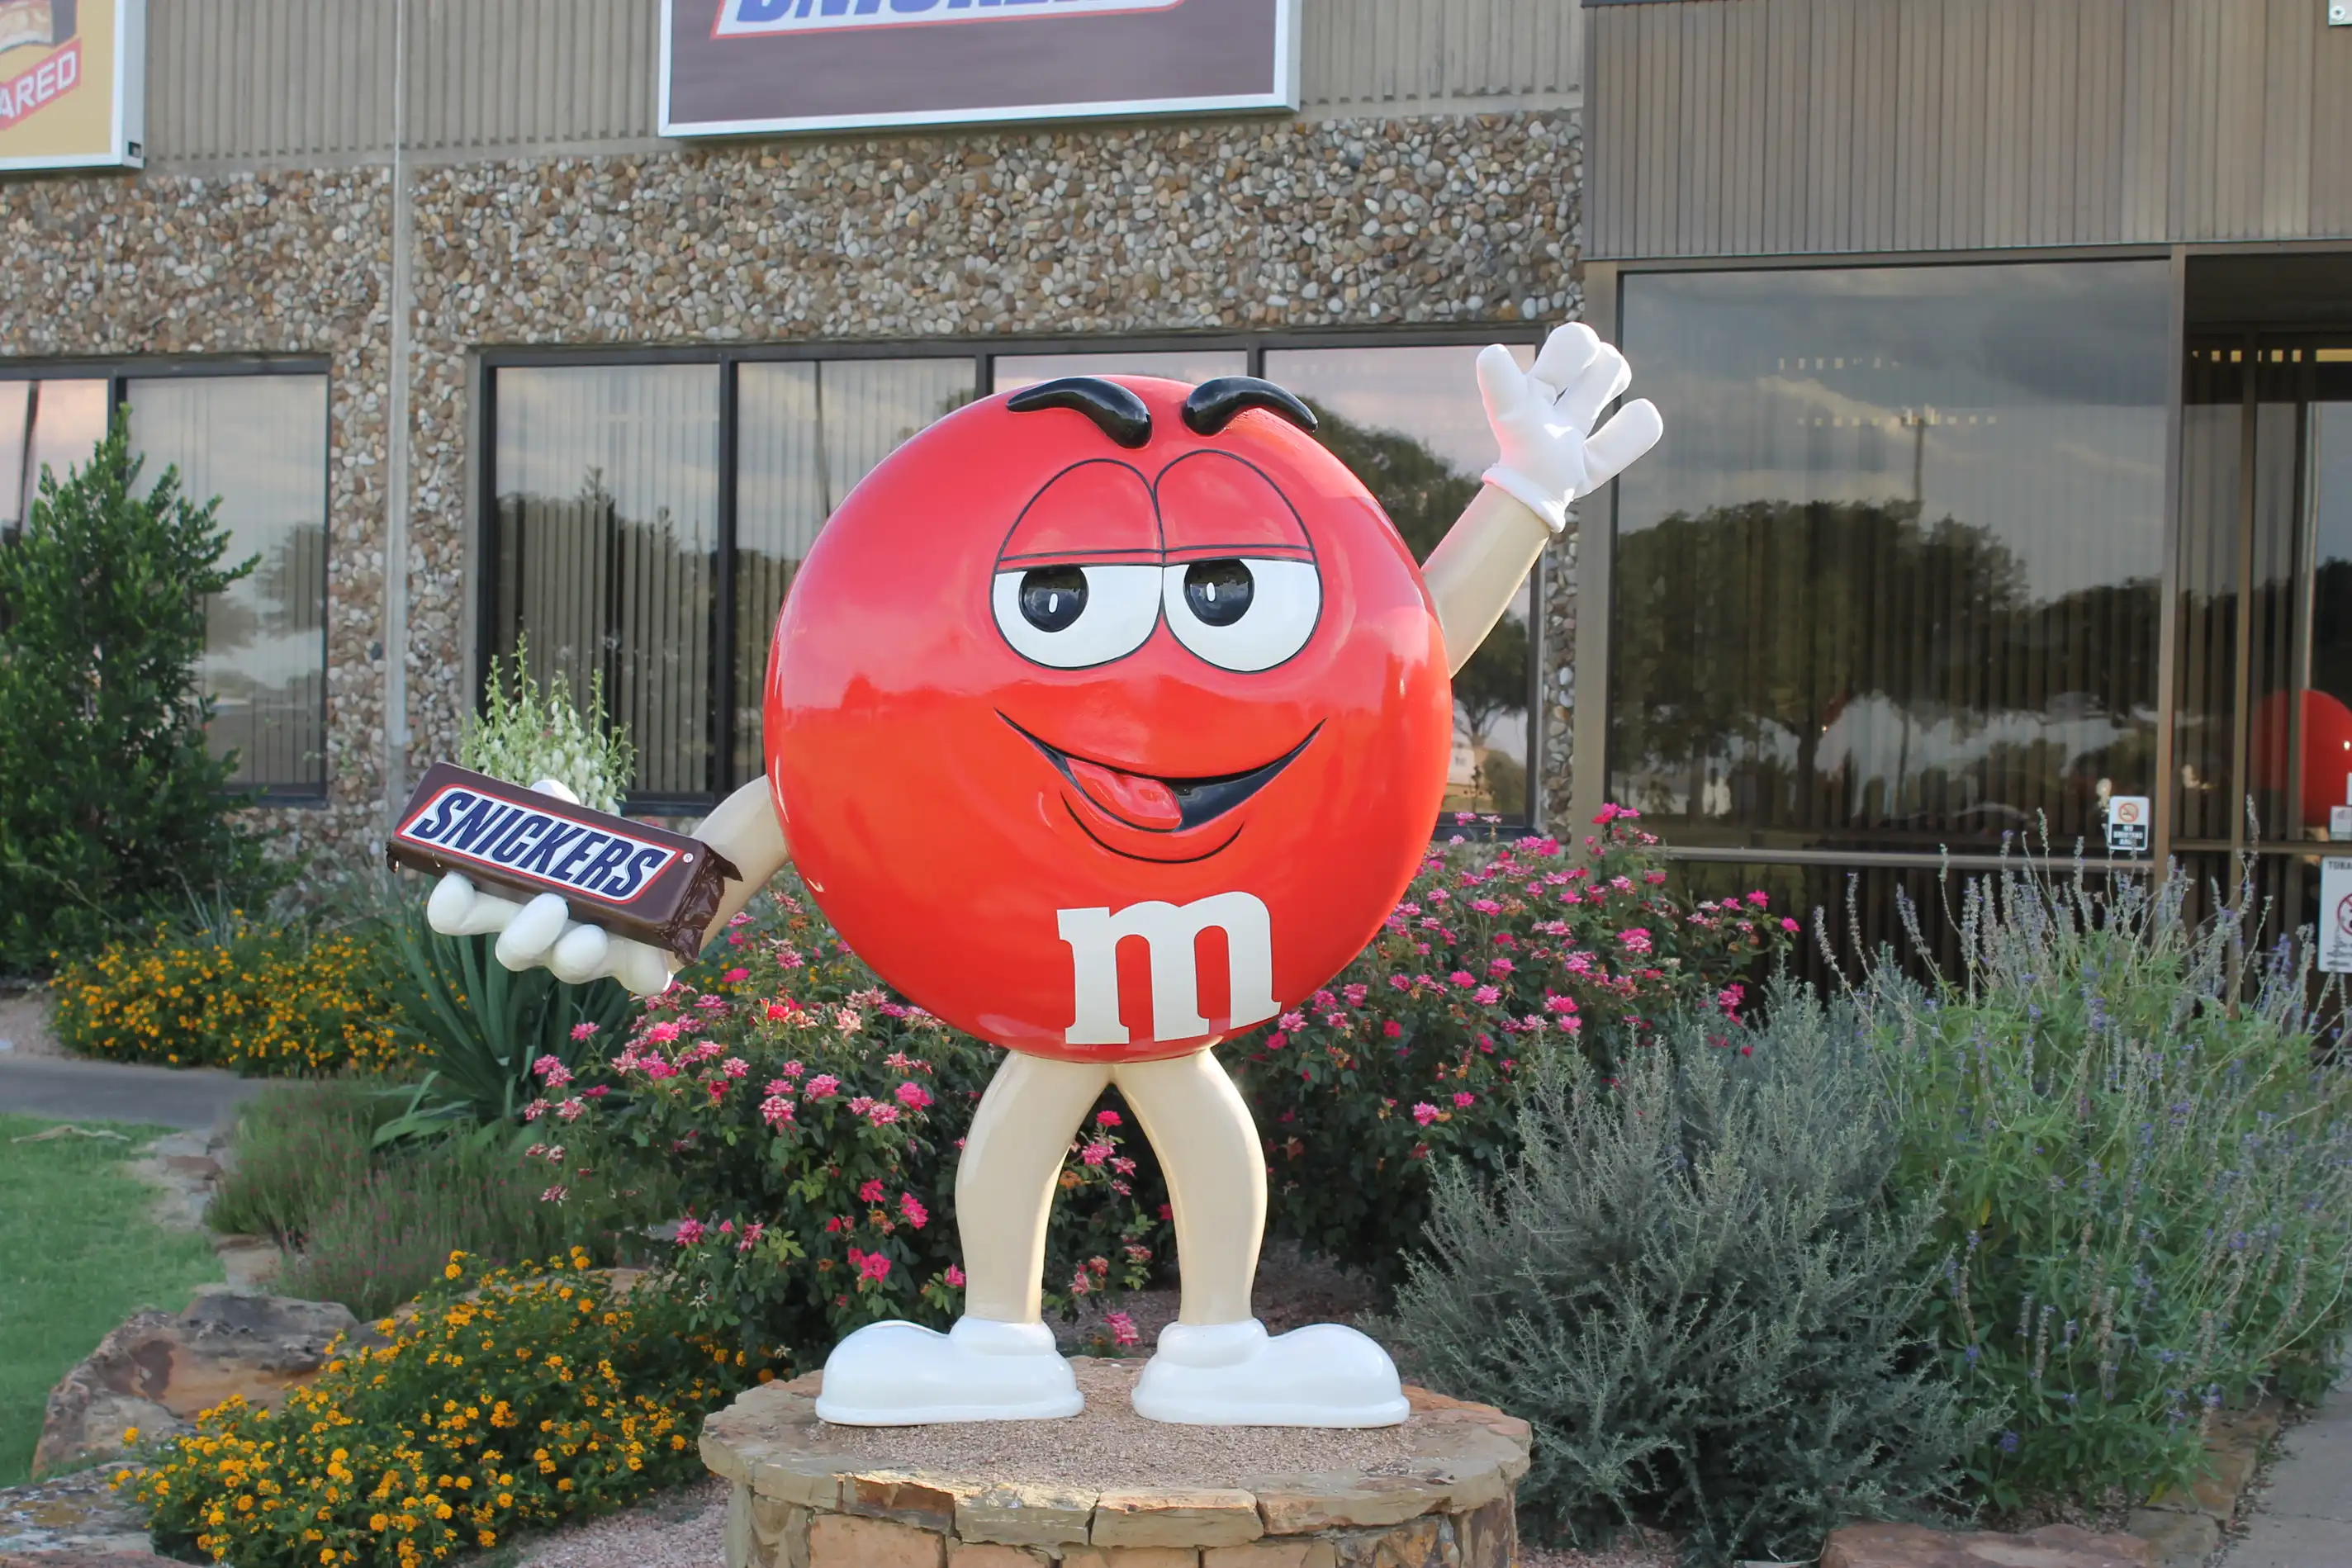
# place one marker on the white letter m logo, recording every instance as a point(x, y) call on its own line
point(1171, 931)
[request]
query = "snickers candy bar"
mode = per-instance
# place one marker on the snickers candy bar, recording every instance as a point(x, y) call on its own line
point(644, 882)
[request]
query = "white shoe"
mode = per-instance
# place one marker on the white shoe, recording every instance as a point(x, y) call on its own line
point(902, 1374)
point(1236, 1374)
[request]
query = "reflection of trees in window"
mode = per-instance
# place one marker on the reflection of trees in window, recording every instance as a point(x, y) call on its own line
point(1844, 665)
point(594, 590)
point(1423, 494)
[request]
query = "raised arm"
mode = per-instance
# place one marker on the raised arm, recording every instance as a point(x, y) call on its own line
point(744, 829)
point(1541, 418)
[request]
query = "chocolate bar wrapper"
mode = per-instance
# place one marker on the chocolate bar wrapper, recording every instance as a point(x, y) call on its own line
point(634, 880)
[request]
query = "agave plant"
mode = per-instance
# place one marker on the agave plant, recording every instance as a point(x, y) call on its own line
point(483, 1028)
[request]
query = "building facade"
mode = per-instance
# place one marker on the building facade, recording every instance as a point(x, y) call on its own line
point(2006, 353)
point(476, 361)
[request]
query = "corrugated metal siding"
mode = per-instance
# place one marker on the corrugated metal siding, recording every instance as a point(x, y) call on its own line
point(1398, 54)
point(1778, 127)
point(252, 83)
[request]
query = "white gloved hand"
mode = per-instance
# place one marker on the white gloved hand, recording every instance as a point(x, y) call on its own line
point(542, 931)
point(1543, 419)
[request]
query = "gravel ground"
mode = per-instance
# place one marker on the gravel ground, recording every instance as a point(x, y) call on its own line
point(24, 1024)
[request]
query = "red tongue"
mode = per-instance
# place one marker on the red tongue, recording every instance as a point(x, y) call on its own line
point(1146, 802)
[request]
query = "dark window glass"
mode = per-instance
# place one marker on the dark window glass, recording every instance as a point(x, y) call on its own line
point(807, 431)
point(1409, 422)
point(1891, 579)
point(259, 445)
point(608, 538)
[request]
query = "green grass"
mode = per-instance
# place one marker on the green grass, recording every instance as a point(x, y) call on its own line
point(78, 1255)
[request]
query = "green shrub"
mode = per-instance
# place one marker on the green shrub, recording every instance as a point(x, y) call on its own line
point(1493, 957)
point(297, 1147)
point(812, 1120)
point(546, 1396)
point(112, 808)
point(1690, 1284)
point(260, 1000)
point(2144, 1169)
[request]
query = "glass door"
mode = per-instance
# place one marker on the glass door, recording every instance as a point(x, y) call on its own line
point(2262, 724)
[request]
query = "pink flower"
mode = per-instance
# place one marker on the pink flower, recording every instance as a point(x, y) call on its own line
point(689, 1231)
point(871, 1192)
point(955, 1277)
point(793, 1069)
point(1106, 1118)
point(779, 1011)
point(913, 1096)
point(750, 1237)
point(1355, 994)
point(658, 1070)
point(1391, 1030)
point(735, 976)
point(663, 1033)
point(552, 1194)
point(1486, 906)
point(552, 1068)
point(1486, 996)
point(1290, 1022)
point(1425, 1112)
point(1095, 1154)
point(597, 1094)
point(1557, 1003)
point(582, 1030)
point(1788, 925)
point(1759, 898)
point(1277, 1041)
point(1635, 939)
point(1501, 967)
point(775, 1110)
point(570, 1109)
point(1122, 1329)
point(535, 1110)
point(1464, 1100)
point(881, 1115)
point(876, 1267)
point(916, 1215)
point(823, 1085)
point(735, 1067)
point(1464, 978)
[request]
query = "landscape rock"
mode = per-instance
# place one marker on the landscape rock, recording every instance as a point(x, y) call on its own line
point(70, 1518)
point(2175, 1540)
point(1881, 1545)
point(157, 1371)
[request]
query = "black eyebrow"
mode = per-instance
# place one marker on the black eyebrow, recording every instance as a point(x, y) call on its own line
point(1117, 411)
point(1213, 405)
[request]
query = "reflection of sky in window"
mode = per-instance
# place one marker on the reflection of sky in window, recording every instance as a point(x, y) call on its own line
point(649, 431)
point(2025, 399)
point(259, 445)
point(2331, 480)
point(1013, 371)
point(65, 420)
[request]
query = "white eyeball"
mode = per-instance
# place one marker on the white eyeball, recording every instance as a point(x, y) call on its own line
point(1242, 615)
point(1072, 617)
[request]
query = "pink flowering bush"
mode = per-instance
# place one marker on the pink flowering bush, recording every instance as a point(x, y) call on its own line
point(1493, 956)
point(812, 1120)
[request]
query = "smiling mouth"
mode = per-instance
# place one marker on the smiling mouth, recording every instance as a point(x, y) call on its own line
point(1155, 805)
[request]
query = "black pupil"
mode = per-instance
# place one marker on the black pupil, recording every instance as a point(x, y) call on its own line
point(1218, 592)
point(1052, 597)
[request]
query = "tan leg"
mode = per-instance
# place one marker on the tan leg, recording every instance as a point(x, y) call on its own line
point(1209, 1150)
point(1004, 1182)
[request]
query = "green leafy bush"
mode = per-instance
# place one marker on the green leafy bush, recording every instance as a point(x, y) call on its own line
point(513, 1401)
point(813, 1122)
point(297, 1146)
point(1495, 957)
point(1690, 1283)
point(112, 808)
point(2144, 1174)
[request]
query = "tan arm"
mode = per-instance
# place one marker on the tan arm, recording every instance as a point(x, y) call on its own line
point(1479, 566)
point(745, 829)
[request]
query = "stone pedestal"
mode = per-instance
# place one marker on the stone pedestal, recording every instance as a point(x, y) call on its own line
point(1107, 1490)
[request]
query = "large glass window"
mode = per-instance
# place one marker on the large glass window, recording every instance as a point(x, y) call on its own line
point(621, 491)
point(257, 444)
point(1409, 423)
point(1891, 579)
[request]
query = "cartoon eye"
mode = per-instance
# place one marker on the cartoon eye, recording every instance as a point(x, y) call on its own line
point(1242, 615)
point(1071, 617)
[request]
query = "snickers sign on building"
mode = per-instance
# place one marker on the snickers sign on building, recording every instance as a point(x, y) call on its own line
point(734, 68)
point(72, 90)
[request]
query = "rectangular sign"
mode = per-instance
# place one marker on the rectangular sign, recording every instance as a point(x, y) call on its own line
point(743, 68)
point(2127, 824)
point(2336, 915)
point(73, 83)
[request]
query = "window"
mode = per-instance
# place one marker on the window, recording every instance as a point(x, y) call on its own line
point(254, 438)
point(649, 516)
point(1891, 581)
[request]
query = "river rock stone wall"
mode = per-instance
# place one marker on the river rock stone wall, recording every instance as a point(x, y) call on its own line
point(1258, 225)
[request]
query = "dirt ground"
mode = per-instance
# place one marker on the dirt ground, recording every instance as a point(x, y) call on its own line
point(24, 1024)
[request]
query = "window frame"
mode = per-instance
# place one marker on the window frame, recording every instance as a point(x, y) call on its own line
point(119, 371)
point(1596, 647)
point(982, 354)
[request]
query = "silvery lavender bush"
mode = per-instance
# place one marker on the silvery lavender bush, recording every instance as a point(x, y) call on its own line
point(1694, 1283)
point(2143, 1168)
